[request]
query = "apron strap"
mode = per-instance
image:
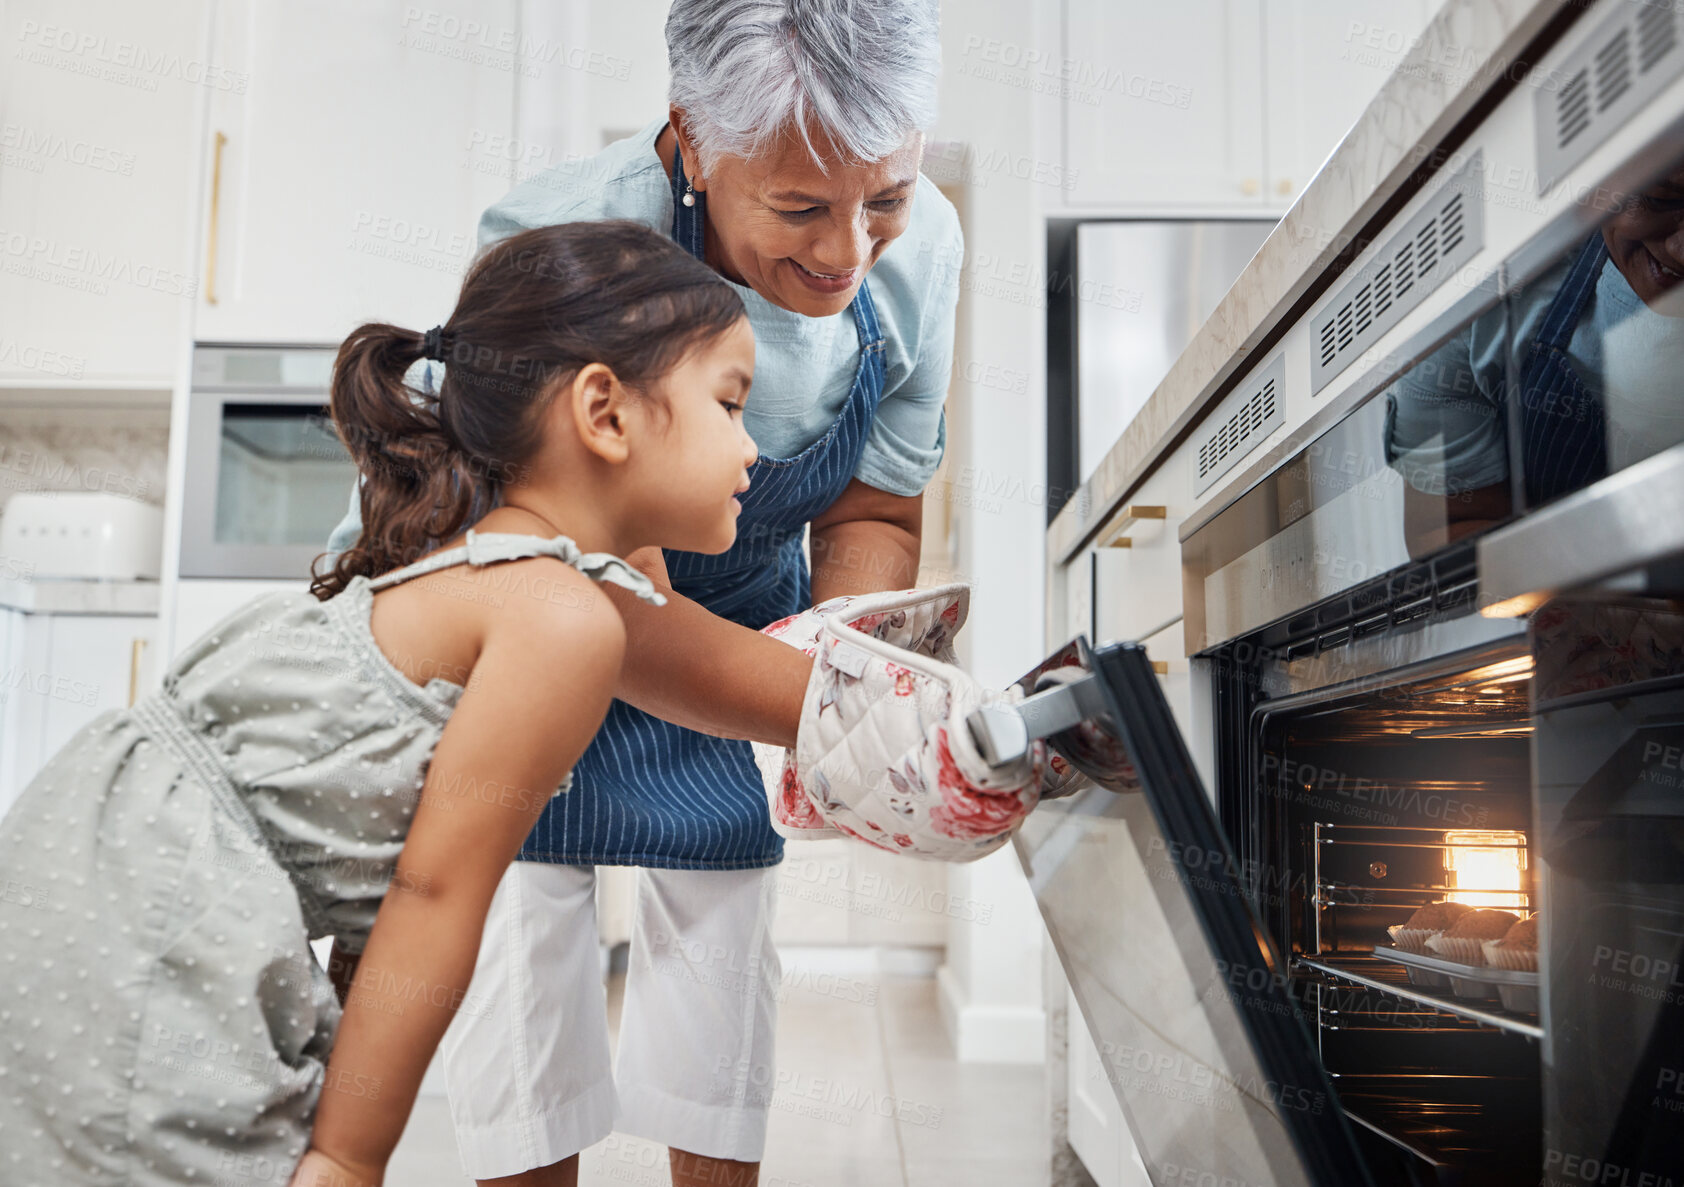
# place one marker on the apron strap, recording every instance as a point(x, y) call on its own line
point(1562, 317)
point(1563, 434)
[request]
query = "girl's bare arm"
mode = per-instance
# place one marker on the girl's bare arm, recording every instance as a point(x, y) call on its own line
point(540, 689)
point(691, 667)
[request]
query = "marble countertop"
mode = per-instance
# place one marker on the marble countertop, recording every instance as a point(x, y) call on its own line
point(1468, 46)
point(75, 596)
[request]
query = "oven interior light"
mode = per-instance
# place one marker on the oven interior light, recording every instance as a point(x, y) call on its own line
point(1518, 668)
point(1484, 869)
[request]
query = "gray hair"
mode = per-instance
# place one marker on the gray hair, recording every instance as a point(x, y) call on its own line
point(746, 71)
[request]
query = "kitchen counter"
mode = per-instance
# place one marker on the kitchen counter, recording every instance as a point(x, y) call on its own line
point(1468, 47)
point(75, 596)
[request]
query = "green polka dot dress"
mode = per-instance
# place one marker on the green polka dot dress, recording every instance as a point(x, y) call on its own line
point(162, 1017)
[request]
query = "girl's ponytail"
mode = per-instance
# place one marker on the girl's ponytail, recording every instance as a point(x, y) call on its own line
point(419, 486)
point(534, 310)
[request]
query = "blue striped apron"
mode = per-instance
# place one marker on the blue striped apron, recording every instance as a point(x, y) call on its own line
point(650, 793)
point(1563, 437)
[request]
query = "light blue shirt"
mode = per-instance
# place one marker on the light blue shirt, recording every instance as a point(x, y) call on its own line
point(1447, 429)
point(804, 366)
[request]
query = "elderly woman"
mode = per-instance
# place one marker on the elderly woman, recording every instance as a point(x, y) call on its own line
point(788, 162)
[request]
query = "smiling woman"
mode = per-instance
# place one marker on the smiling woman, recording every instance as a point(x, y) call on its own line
point(788, 162)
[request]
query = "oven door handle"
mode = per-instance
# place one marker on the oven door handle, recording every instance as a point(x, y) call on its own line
point(1002, 732)
point(1628, 521)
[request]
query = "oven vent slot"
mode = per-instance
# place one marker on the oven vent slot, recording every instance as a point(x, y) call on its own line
point(1657, 35)
point(1572, 109)
point(1613, 70)
point(1441, 237)
point(1624, 62)
point(1242, 420)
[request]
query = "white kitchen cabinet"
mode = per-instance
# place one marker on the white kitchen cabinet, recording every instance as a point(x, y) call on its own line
point(340, 184)
point(1098, 1133)
point(60, 671)
point(201, 603)
point(1163, 103)
point(1174, 672)
point(841, 893)
point(1136, 591)
point(96, 181)
point(1324, 61)
point(1217, 105)
point(11, 762)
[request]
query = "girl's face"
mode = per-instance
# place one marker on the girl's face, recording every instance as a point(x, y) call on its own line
point(801, 236)
point(693, 455)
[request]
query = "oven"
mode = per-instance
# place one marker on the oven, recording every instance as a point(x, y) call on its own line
point(1437, 638)
point(267, 477)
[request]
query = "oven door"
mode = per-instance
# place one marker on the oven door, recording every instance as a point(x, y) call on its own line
point(1175, 976)
point(267, 476)
point(1602, 574)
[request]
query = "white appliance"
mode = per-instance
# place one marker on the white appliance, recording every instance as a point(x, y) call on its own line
point(82, 534)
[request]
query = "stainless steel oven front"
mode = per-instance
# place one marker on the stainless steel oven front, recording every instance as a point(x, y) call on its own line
point(267, 477)
point(1441, 629)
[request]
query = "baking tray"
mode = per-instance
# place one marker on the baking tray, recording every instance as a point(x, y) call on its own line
point(1517, 989)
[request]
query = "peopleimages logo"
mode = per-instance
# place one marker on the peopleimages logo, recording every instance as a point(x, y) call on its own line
point(50, 146)
point(147, 65)
point(50, 259)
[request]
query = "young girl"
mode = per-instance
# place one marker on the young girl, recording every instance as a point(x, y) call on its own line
point(383, 742)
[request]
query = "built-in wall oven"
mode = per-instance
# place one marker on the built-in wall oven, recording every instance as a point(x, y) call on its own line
point(1440, 636)
point(267, 476)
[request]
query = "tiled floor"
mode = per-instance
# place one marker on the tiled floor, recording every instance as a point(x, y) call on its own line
point(875, 1099)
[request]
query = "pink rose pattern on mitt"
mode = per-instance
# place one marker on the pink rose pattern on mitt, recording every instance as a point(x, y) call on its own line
point(884, 754)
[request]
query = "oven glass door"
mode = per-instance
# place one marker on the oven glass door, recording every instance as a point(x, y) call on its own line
point(281, 476)
point(1187, 1000)
point(1608, 747)
point(267, 482)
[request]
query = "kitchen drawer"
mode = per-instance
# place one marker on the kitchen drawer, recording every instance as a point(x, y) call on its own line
point(1175, 673)
point(1134, 580)
point(61, 671)
point(1133, 571)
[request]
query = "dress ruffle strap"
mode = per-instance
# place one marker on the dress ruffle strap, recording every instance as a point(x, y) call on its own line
point(489, 548)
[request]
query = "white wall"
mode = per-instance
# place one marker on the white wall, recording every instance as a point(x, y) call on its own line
point(991, 994)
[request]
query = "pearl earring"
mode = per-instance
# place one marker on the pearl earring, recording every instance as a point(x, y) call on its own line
point(689, 195)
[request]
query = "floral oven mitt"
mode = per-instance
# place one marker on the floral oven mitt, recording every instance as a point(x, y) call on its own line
point(883, 753)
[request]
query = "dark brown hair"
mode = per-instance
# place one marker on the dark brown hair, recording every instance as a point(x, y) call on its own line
point(534, 310)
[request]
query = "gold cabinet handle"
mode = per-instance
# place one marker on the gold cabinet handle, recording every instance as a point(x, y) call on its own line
point(1112, 536)
point(215, 206)
point(1160, 667)
point(1284, 185)
point(1250, 186)
point(136, 646)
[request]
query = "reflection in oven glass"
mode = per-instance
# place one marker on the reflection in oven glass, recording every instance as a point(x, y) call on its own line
point(1610, 762)
point(1591, 350)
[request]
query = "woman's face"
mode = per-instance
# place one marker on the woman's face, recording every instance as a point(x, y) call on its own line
point(694, 454)
point(1646, 242)
point(801, 236)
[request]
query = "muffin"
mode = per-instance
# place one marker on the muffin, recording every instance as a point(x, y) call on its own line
point(1518, 949)
point(1428, 921)
point(1463, 941)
